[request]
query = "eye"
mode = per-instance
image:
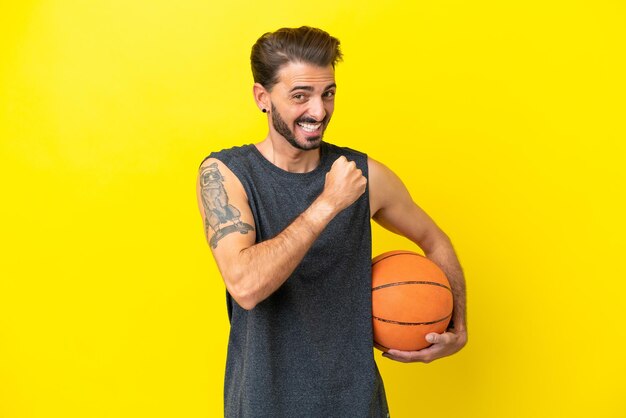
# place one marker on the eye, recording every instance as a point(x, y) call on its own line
point(299, 97)
point(329, 94)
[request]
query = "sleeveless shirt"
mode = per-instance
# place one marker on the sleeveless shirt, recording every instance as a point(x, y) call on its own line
point(306, 350)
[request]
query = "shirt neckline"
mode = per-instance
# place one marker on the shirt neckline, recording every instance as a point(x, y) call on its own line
point(285, 173)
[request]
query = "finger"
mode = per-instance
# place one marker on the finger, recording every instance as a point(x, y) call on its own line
point(400, 358)
point(407, 356)
point(335, 163)
point(445, 338)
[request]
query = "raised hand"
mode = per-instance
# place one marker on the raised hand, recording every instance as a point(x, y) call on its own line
point(345, 183)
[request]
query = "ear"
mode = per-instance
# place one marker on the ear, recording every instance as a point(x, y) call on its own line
point(261, 96)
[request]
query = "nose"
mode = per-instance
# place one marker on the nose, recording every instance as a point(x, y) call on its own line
point(317, 110)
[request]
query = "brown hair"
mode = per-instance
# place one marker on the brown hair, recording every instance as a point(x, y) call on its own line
point(304, 44)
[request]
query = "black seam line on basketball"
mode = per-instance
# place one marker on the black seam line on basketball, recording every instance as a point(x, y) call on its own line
point(394, 255)
point(382, 286)
point(389, 321)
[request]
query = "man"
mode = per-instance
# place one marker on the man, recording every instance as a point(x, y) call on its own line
point(288, 222)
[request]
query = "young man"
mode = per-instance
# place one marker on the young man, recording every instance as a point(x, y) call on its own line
point(288, 222)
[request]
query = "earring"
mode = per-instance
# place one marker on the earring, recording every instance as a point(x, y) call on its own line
point(264, 110)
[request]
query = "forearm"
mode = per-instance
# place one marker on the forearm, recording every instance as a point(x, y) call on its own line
point(442, 253)
point(264, 267)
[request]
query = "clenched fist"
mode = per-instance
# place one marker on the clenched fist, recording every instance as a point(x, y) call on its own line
point(345, 183)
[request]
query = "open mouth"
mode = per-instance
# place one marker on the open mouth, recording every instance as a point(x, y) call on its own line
point(310, 127)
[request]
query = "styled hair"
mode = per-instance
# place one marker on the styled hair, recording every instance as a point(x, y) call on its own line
point(304, 44)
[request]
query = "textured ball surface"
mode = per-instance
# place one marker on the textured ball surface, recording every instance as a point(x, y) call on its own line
point(411, 297)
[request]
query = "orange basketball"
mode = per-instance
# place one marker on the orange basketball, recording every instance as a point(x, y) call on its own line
point(411, 297)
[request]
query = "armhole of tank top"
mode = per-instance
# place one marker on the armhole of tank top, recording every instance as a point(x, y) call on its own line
point(205, 158)
point(366, 167)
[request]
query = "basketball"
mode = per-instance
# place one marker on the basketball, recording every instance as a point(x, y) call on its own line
point(411, 297)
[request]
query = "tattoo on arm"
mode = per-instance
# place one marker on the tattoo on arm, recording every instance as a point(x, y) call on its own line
point(219, 215)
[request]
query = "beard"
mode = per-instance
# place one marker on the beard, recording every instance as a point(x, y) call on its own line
point(310, 142)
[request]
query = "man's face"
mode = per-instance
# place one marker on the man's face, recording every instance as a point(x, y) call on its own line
point(302, 103)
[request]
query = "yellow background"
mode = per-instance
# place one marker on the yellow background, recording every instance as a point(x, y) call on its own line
point(504, 119)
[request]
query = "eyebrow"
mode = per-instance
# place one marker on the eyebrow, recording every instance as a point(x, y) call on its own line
point(310, 88)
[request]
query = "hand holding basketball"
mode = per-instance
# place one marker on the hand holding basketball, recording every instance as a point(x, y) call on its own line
point(443, 345)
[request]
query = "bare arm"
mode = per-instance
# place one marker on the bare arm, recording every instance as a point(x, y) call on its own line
point(252, 272)
point(393, 208)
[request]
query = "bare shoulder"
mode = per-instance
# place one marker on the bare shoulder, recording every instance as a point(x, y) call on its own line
point(211, 163)
point(379, 173)
point(213, 171)
point(384, 186)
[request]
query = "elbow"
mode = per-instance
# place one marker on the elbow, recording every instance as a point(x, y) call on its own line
point(239, 287)
point(436, 241)
point(244, 301)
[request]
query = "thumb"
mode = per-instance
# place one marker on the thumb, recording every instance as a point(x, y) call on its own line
point(433, 337)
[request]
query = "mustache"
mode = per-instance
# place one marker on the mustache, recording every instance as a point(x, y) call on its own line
point(311, 120)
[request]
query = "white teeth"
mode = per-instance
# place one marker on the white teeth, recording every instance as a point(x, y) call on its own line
point(309, 127)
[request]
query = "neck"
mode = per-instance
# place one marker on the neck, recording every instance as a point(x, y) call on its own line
point(284, 156)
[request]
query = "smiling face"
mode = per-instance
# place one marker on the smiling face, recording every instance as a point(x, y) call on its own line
point(302, 103)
